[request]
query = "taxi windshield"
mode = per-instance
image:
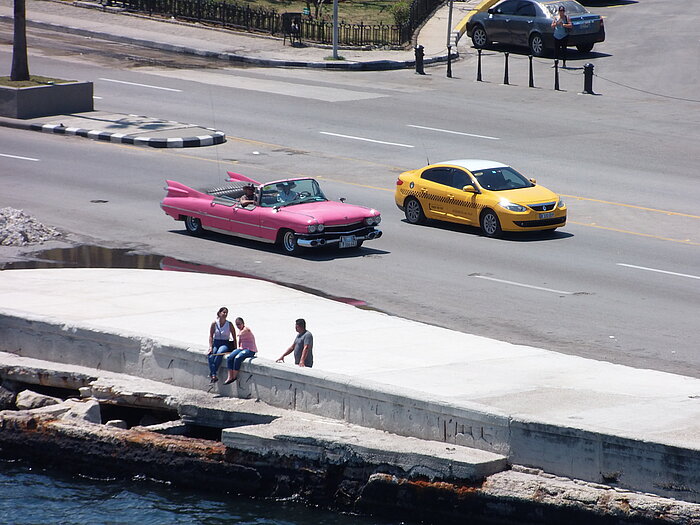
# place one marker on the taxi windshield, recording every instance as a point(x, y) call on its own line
point(499, 179)
point(291, 192)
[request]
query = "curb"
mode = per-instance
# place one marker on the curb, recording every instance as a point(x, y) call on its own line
point(217, 137)
point(376, 65)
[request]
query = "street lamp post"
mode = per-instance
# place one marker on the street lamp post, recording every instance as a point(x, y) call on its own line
point(335, 29)
point(449, 42)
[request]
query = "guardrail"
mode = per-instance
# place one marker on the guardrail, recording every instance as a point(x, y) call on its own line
point(243, 17)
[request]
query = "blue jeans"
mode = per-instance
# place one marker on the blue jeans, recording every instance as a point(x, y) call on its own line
point(220, 346)
point(235, 359)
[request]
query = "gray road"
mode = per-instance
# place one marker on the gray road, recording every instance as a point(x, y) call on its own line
point(619, 283)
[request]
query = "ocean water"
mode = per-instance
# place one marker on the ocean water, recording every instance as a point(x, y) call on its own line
point(33, 496)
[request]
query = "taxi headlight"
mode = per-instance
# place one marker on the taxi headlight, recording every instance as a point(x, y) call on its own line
point(561, 204)
point(511, 206)
point(320, 228)
point(312, 228)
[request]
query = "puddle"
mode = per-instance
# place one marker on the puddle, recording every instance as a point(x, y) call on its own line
point(90, 256)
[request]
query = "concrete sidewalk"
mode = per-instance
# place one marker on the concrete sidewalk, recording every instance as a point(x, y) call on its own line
point(92, 20)
point(571, 416)
point(206, 41)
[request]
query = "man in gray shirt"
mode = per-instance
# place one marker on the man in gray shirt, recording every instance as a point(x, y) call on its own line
point(302, 346)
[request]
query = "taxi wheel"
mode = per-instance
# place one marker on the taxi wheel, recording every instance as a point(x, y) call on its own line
point(490, 224)
point(193, 226)
point(289, 242)
point(414, 212)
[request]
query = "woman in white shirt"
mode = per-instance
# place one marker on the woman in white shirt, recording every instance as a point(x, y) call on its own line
point(222, 339)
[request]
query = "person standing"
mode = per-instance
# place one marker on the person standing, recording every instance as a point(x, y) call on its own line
point(302, 346)
point(561, 25)
point(222, 338)
point(246, 348)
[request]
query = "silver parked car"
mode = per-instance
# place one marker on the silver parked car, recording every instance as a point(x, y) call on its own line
point(529, 23)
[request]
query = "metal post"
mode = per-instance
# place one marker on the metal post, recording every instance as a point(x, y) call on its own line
point(449, 42)
point(588, 79)
point(556, 75)
point(419, 60)
point(505, 74)
point(335, 29)
point(478, 67)
point(532, 76)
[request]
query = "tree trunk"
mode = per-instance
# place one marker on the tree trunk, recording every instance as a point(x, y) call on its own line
point(20, 64)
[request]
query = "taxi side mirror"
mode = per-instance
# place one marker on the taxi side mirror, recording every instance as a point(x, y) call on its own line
point(534, 182)
point(470, 189)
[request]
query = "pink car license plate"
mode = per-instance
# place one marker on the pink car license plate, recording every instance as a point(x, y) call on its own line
point(348, 241)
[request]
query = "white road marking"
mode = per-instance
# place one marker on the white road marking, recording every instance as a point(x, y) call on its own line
point(453, 132)
point(140, 85)
point(560, 292)
point(366, 139)
point(18, 157)
point(265, 85)
point(659, 271)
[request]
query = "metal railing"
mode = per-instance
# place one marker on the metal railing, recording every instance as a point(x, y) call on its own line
point(235, 16)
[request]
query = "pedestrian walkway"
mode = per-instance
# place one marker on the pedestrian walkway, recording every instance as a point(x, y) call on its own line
point(568, 415)
point(91, 19)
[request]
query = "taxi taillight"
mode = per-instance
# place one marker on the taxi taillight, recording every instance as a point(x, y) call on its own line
point(399, 182)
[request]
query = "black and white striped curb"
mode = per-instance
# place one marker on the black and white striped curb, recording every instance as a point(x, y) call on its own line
point(216, 137)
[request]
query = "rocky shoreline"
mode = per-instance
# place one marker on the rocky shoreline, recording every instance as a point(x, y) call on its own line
point(73, 431)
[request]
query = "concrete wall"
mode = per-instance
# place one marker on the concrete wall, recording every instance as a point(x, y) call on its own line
point(576, 453)
point(43, 101)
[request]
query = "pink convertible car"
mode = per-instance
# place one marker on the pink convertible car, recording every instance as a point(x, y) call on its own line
point(293, 213)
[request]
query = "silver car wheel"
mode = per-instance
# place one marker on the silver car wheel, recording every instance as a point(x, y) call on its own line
point(490, 224)
point(479, 38)
point(289, 242)
point(413, 211)
point(537, 45)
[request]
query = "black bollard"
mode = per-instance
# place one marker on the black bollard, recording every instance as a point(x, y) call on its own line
point(532, 75)
point(478, 67)
point(449, 61)
point(420, 53)
point(556, 75)
point(588, 79)
point(505, 73)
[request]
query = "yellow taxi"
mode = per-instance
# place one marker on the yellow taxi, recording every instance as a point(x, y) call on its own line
point(481, 193)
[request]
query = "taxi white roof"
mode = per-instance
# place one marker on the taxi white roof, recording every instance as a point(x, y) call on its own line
point(474, 164)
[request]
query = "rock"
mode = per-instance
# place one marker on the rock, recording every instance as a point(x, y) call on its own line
point(19, 229)
point(7, 399)
point(28, 400)
point(118, 423)
point(87, 411)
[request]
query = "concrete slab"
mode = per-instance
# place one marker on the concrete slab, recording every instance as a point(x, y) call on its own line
point(567, 414)
point(338, 442)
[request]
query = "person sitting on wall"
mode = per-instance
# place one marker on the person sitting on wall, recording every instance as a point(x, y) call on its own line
point(246, 349)
point(222, 338)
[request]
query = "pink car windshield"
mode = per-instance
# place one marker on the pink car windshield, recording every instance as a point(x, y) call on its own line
point(291, 192)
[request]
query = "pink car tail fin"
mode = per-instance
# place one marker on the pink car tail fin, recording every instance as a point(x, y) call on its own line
point(237, 177)
point(177, 189)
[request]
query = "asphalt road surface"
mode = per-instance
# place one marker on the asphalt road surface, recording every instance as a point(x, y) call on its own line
point(620, 282)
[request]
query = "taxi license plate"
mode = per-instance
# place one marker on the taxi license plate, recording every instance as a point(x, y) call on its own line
point(547, 215)
point(348, 241)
